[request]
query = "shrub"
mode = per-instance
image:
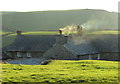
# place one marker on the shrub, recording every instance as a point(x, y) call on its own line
point(45, 62)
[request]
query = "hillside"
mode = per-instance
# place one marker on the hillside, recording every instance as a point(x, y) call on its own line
point(53, 20)
point(32, 22)
point(65, 71)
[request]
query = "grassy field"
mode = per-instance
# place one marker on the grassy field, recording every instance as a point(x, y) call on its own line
point(53, 20)
point(56, 32)
point(92, 71)
point(3, 33)
point(105, 32)
point(38, 33)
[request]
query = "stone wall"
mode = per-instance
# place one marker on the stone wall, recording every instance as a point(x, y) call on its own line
point(24, 54)
point(59, 52)
point(88, 57)
point(109, 56)
point(37, 54)
point(101, 56)
point(60, 39)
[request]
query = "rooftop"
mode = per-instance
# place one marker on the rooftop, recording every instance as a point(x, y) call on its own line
point(32, 43)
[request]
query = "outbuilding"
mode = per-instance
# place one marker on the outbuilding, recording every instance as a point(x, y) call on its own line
point(29, 46)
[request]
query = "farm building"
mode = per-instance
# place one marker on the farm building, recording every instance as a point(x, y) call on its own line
point(104, 47)
point(29, 46)
point(58, 51)
point(78, 47)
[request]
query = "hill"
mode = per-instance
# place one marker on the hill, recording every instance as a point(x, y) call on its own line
point(65, 71)
point(33, 22)
point(53, 20)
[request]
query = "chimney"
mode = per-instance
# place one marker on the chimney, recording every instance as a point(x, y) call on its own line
point(79, 30)
point(19, 33)
point(60, 31)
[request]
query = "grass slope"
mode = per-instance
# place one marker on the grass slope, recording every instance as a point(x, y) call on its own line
point(52, 20)
point(92, 71)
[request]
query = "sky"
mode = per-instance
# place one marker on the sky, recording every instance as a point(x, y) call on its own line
point(44, 5)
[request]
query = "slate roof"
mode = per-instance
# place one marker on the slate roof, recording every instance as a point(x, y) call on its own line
point(82, 48)
point(88, 45)
point(107, 43)
point(32, 43)
point(94, 44)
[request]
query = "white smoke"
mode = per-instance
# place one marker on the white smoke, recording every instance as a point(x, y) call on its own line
point(70, 29)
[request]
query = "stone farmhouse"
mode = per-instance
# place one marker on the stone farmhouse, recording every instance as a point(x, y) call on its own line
point(74, 47)
point(29, 46)
point(92, 47)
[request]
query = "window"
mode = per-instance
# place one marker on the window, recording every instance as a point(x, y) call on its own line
point(28, 54)
point(98, 56)
point(19, 54)
point(90, 57)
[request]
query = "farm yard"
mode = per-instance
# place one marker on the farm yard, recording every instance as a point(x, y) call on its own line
point(64, 71)
point(60, 71)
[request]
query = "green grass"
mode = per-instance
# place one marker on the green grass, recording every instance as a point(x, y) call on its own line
point(56, 32)
point(105, 32)
point(92, 71)
point(53, 20)
point(96, 32)
point(2, 33)
point(38, 33)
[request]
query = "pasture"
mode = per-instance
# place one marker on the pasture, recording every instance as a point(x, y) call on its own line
point(38, 33)
point(65, 71)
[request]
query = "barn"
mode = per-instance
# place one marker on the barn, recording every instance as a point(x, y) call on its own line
point(92, 47)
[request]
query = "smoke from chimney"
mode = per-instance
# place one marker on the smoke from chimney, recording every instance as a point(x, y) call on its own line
point(79, 30)
point(72, 29)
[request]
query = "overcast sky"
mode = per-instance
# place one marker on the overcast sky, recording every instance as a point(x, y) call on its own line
point(41, 5)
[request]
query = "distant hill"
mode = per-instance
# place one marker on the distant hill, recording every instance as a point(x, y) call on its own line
point(53, 20)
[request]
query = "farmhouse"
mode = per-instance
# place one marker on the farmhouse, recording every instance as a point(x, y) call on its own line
point(77, 47)
point(29, 45)
point(101, 47)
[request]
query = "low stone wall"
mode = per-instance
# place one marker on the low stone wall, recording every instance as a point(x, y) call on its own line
point(59, 52)
point(109, 56)
point(102, 56)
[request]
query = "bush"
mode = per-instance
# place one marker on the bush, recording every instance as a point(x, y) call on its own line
point(45, 62)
